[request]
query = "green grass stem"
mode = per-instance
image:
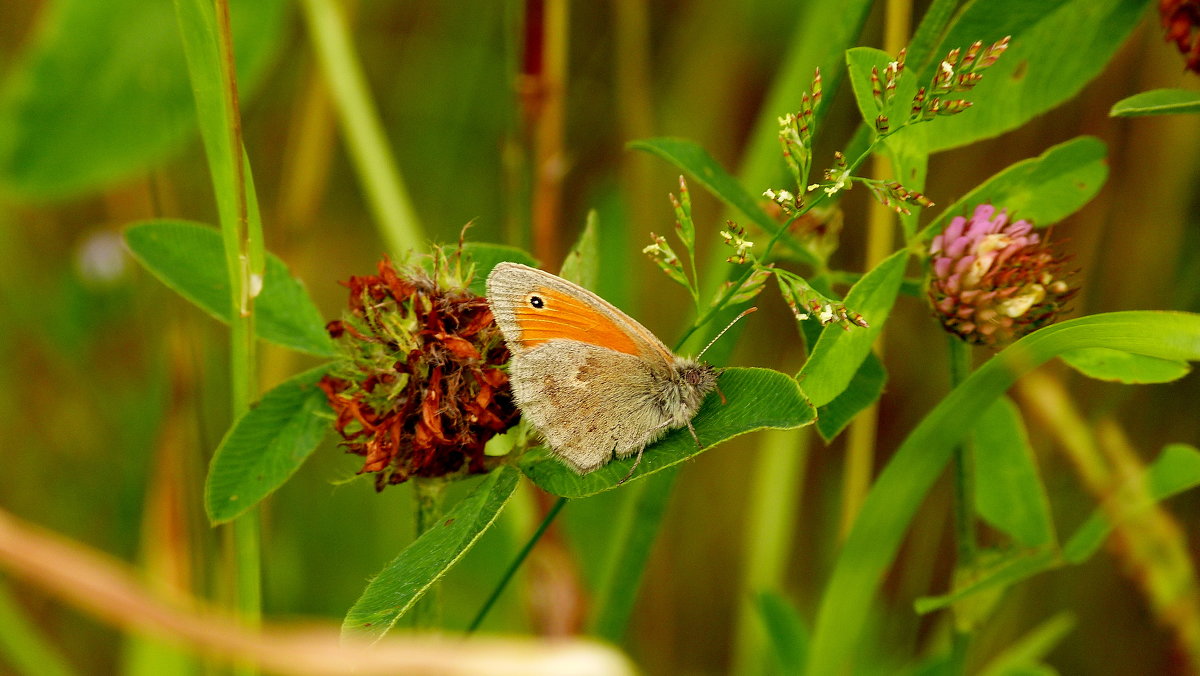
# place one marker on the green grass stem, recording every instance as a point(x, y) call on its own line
point(386, 193)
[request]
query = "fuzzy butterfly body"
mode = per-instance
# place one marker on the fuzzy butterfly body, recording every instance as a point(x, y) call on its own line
point(596, 384)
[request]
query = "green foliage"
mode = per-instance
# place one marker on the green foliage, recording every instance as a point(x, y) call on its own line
point(1102, 363)
point(229, 167)
point(486, 256)
point(1057, 47)
point(398, 586)
point(21, 644)
point(1008, 491)
point(788, 636)
point(1025, 654)
point(838, 353)
point(1176, 469)
point(266, 446)
point(86, 107)
point(189, 258)
point(1158, 102)
point(863, 390)
point(903, 484)
point(582, 264)
point(1043, 190)
point(755, 399)
point(703, 169)
point(102, 93)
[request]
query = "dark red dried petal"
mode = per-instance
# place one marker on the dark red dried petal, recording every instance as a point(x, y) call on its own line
point(459, 347)
point(478, 322)
point(491, 377)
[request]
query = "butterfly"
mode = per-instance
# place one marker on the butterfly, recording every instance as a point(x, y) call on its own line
point(593, 382)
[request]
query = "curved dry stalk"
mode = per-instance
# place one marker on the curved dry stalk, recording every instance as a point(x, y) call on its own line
point(108, 590)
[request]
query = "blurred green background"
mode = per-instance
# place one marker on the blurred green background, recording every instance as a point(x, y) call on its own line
point(113, 390)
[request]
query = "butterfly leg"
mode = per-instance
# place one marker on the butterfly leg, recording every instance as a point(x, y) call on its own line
point(693, 431)
point(636, 462)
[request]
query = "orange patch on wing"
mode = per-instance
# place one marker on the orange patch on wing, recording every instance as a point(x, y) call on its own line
point(566, 317)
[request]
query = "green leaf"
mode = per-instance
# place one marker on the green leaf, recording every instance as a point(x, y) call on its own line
point(266, 446)
point(864, 389)
point(398, 586)
point(786, 631)
point(1176, 470)
point(1008, 492)
point(859, 62)
point(1057, 47)
point(839, 351)
point(189, 258)
point(582, 264)
point(755, 399)
point(1157, 102)
point(1003, 572)
point(703, 169)
point(902, 486)
point(1102, 363)
point(1043, 189)
point(102, 92)
point(487, 256)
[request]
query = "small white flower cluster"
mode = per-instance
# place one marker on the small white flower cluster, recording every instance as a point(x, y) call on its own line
point(839, 184)
point(740, 244)
point(785, 199)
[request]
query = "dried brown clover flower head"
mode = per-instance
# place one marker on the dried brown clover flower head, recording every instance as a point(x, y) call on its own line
point(992, 281)
point(419, 389)
point(1181, 19)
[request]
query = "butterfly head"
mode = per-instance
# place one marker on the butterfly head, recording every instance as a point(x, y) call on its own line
point(695, 381)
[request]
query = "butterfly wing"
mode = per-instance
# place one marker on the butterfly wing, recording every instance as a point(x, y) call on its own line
point(590, 403)
point(533, 307)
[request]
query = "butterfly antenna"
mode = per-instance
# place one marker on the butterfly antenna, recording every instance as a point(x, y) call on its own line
point(727, 327)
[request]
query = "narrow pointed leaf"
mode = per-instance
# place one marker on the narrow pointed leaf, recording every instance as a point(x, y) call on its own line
point(1123, 367)
point(189, 258)
point(1003, 573)
point(398, 586)
point(1174, 471)
point(1008, 491)
point(785, 630)
point(756, 399)
point(266, 446)
point(1158, 102)
point(839, 351)
point(582, 264)
point(1024, 655)
point(486, 256)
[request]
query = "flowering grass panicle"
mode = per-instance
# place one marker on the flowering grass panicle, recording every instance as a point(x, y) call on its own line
point(419, 389)
point(992, 281)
